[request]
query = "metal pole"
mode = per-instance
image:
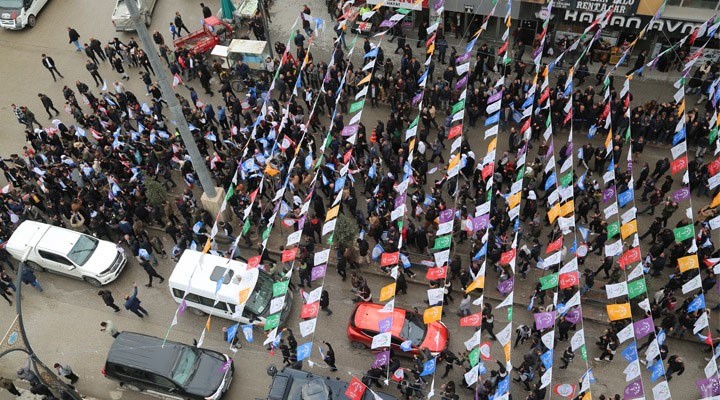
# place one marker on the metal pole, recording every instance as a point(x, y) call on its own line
point(169, 95)
point(263, 10)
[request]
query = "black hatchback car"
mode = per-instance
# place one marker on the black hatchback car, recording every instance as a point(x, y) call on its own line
point(173, 370)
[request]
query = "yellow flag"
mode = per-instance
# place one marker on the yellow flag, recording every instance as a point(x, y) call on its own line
point(378, 5)
point(207, 324)
point(681, 108)
point(628, 229)
point(207, 246)
point(688, 262)
point(243, 296)
point(514, 200)
point(430, 48)
point(553, 212)
point(478, 283)
point(587, 396)
point(454, 161)
point(332, 213)
point(608, 140)
point(271, 171)
point(567, 208)
point(432, 314)
point(366, 79)
point(506, 349)
point(492, 145)
point(618, 311)
point(715, 201)
point(387, 292)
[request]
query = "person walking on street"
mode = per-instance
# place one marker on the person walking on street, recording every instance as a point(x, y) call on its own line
point(329, 357)
point(325, 302)
point(5, 292)
point(675, 364)
point(150, 271)
point(66, 372)
point(108, 299)
point(30, 118)
point(132, 303)
point(91, 54)
point(49, 63)
point(9, 385)
point(234, 340)
point(109, 327)
point(48, 104)
point(179, 24)
point(93, 70)
point(207, 13)
point(74, 38)
point(28, 277)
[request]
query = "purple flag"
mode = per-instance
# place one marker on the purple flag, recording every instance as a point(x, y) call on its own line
point(400, 200)
point(447, 215)
point(573, 316)
point(416, 99)
point(384, 325)
point(226, 366)
point(505, 287)
point(301, 222)
point(536, 52)
point(608, 194)
point(386, 24)
point(182, 308)
point(708, 387)
point(630, 166)
point(318, 272)
point(462, 82)
point(550, 150)
point(438, 4)
point(495, 97)
point(569, 149)
point(634, 390)
point(544, 320)
point(381, 359)
point(462, 59)
point(643, 328)
point(681, 194)
point(480, 222)
point(349, 130)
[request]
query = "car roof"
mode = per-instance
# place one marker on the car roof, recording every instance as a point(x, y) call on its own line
point(59, 240)
point(288, 383)
point(144, 352)
point(368, 316)
point(203, 281)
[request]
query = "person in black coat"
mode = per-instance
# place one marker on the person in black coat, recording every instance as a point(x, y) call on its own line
point(49, 63)
point(108, 299)
point(329, 357)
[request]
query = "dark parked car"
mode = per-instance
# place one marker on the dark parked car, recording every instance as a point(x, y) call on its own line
point(293, 384)
point(173, 370)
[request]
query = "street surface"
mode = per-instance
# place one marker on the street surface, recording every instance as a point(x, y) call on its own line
point(63, 323)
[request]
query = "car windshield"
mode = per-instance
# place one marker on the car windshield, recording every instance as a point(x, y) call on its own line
point(184, 366)
point(260, 297)
point(11, 3)
point(413, 329)
point(83, 249)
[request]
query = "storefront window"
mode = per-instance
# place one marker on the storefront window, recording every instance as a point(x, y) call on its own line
point(674, 2)
point(711, 4)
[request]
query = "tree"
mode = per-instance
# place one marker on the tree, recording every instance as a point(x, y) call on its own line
point(346, 232)
point(155, 192)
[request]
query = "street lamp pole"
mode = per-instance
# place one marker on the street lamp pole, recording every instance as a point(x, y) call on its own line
point(169, 95)
point(263, 10)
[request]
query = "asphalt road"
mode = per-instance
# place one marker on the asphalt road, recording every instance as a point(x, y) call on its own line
point(63, 322)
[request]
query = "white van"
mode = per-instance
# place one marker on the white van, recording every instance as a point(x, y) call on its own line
point(121, 15)
point(17, 14)
point(199, 286)
point(50, 248)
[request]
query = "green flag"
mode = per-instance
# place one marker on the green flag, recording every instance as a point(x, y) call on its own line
point(272, 321)
point(548, 281)
point(414, 122)
point(317, 164)
point(566, 180)
point(442, 242)
point(457, 106)
point(356, 106)
point(548, 120)
point(683, 233)
point(474, 357)
point(636, 288)
point(330, 238)
point(246, 227)
point(507, 60)
point(713, 134)
point(230, 193)
point(510, 312)
point(613, 229)
point(403, 11)
point(520, 174)
point(266, 232)
point(280, 288)
point(583, 352)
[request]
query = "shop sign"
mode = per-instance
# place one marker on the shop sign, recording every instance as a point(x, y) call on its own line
point(668, 26)
point(409, 4)
point(621, 7)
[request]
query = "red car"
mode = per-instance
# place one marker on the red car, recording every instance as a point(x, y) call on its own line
point(364, 324)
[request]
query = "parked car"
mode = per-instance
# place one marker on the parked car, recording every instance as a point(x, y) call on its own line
point(50, 248)
point(17, 14)
point(293, 384)
point(167, 369)
point(121, 16)
point(406, 325)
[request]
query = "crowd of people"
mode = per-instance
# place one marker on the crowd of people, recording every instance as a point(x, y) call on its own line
point(100, 172)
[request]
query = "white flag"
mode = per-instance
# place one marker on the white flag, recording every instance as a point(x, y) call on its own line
point(307, 327)
point(616, 290)
point(381, 340)
point(578, 340)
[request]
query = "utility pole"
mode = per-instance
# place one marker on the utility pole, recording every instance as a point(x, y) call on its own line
point(263, 10)
point(169, 96)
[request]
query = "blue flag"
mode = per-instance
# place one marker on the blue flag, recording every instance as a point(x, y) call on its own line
point(679, 136)
point(697, 303)
point(340, 183)
point(630, 352)
point(547, 359)
point(661, 337)
point(503, 386)
point(481, 252)
point(550, 182)
point(583, 231)
point(406, 345)
point(371, 53)
point(592, 131)
point(248, 332)
point(304, 350)
point(231, 332)
point(581, 181)
point(372, 171)
point(656, 370)
point(428, 367)
point(625, 197)
point(493, 119)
